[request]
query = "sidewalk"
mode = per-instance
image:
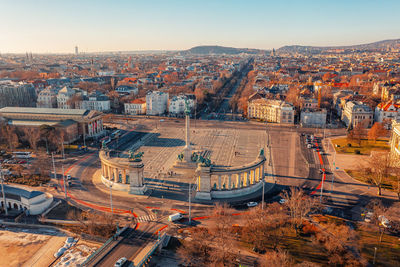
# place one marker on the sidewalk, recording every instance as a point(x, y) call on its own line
point(344, 182)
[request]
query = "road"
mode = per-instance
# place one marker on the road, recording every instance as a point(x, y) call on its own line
point(130, 246)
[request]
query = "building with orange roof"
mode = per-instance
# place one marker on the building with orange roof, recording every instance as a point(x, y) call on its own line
point(136, 107)
point(386, 112)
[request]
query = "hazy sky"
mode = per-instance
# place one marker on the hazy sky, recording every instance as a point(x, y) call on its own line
point(120, 25)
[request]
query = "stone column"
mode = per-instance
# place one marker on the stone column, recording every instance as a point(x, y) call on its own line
point(204, 182)
point(136, 182)
point(124, 176)
point(239, 182)
point(219, 182)
point(109, 172)
point(116, 175)
point(263, 173)
point(230, 181)
point(248, 178)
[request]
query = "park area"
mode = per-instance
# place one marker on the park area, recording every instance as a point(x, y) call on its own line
point(343, 145)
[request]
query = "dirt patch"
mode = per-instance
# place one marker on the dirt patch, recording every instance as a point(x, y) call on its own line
point(17, 248)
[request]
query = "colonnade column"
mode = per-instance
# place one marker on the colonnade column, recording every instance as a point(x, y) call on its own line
point(248, 178)
point(238, 181)
point(124, 176)
point(219, 182)
point(116, 175)
point(230, 181)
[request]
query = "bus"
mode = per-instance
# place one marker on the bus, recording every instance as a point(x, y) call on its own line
point(22, 155)
point(115, 134)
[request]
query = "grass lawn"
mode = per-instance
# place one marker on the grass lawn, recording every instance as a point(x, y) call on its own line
point(388, 251)
point(341, 146)
point(360, 176)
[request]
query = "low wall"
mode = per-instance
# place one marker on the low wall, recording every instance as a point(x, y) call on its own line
point(240, 192)
point(115, 186)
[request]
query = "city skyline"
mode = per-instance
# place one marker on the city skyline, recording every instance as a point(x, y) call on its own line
point(57, 27)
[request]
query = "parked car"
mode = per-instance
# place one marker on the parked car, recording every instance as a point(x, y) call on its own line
point(384, 221)
point(252, 204)
point(120, 262)
point(60, 252)
point(282, 201)
point(68, 177)
point(368, 216)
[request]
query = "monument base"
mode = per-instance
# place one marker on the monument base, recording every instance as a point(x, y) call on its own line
point(185, 165)
point(203, 195)
point(138, 190)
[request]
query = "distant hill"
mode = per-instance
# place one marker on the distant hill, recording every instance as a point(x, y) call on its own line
point(371, 46)
point(215, 49)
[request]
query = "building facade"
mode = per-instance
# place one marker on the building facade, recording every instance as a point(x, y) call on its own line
point(313, 117)
point(89, 123)
point(277, 111)
point(135, 107)
point(395, 145)
point(355, 112)
point(14, 94)
point(386, 112)
point(156, 103)
point(177, 104)
point(47, 98)
point(63, 97)
point(95, 101)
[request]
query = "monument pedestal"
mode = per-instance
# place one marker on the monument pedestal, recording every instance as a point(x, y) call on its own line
point(203, 176)
point(137, 186)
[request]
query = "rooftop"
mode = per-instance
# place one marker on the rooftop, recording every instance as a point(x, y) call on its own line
point(53, 111)
point(21, 192)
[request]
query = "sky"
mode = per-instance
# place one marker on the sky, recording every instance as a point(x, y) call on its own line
point(57, 26)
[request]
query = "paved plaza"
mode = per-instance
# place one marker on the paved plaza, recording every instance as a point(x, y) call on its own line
point(226, 146)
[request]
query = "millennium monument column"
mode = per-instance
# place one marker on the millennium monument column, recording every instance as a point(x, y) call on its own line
point(187, 151)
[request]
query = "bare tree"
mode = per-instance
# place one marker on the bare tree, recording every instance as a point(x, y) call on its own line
point(357, 133)
point(32, 135)
point(10, 136)
point(376, 131)
point(277, 258)
point(196, 252)
point(299, 206)
point(379, 165)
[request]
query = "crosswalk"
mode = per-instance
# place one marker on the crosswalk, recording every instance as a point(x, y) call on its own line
point(146, 218)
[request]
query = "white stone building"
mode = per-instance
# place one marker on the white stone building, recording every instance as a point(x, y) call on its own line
point(395, 144)
point(63, 97)
point(386, 112)
point(313, 117)
point(269, 110)
point(95, 101)
point(156, 103)
point(355, 112)
point(47, 98)
point(31, 202)
point(135, 107)
point(177, 104)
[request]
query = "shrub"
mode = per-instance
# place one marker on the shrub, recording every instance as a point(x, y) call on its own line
point(348, 144)
point(357, 152)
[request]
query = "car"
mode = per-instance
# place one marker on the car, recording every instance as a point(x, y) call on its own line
point(282, 201)
point(384, 221)
point(161, 120)
point(309, 146)
point(368, 216)
point(68, 177)
point(69, 241)
point(252, 204)
point(120, 262)
point(60, 252)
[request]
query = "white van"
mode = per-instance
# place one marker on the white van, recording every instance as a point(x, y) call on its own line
point(175, 217)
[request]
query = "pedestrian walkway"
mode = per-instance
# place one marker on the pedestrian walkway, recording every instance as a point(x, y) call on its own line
point(147, 218)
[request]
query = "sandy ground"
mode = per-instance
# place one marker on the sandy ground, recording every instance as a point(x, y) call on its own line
point(18, 247)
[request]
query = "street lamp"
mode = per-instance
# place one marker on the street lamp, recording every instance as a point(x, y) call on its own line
point(111, 205)
point(322, 185)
